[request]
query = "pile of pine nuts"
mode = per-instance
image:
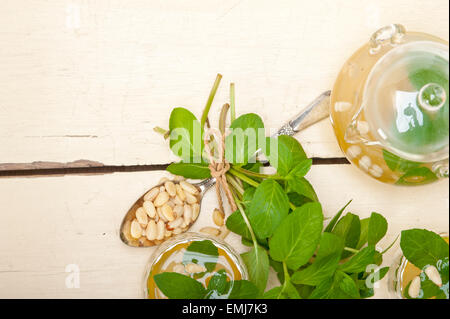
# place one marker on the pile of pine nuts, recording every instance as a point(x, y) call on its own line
point(166, 210)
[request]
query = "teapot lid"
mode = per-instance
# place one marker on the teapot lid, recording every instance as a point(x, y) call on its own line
point(405, 100)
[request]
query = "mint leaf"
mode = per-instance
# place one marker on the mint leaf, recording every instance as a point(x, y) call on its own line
point(218, 285)
point(320, 270)
point(274, 293)
point(245, 139)
point(178, 286)
point(348, 228)
point(190, 170)
point(186, 135)
point(257, 263)
point(202, 252)
point(364, 232)
point(336, 217)
point(243, 289)
point(248, 196)
point(298, 235)
point(398, 164)
point(269, 206)
point(287, 155)
point(358, 263)
point(301, 169)
point(424, 172)
point(329, 244)
point(235, 223)
point(347, 285)
point(423, 247)
point(302, 187)
point(377, 228)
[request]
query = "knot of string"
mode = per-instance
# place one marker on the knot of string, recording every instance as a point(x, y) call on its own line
point(219, 167)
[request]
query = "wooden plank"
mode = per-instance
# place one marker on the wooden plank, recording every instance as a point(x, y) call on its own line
point(88, 80)
point(51, 222)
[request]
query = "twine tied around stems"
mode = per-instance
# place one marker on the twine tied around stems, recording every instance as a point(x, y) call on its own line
point(219, 167)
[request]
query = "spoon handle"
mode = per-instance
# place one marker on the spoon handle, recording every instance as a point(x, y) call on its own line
point(313, 113)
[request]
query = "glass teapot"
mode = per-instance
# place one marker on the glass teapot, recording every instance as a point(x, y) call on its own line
point(390, 110)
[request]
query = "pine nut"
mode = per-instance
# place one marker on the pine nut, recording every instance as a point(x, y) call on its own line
point(224, 231)
point(161, 215)
point(161, 199)
point(187, 214)
point(161, 226)
point(414, 287)
point(353, 151)
point(127, 230)
point(218, 217)
point(191, 199)
point(194, 268)
point(376, 171)
point(170, 187)
point(141, 216)
point(151, 232)
point(168, 212)
point(136, 229)
point(210, 231)
point(180, 192)
point(168, 233)
point(149, 209)
point(195, 211)
point(151, 195)
point(176, 223)
point(177, 200)
point(178, 209)
point(188, 187)
point(179, 268)
point(171, 203)
point(163, 180)
point(342, 106)
point(365, 162)
point(434, 275)
point(178, 178)
point(363, 127)
point(144, 242)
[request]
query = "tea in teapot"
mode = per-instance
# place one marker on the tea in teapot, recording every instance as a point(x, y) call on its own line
point(390, 109)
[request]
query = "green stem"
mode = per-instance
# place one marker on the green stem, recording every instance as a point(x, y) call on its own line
point(351, 250)
point(163, 132)
point(259, 175)
point(210, 100)
point(235, 193)
point(244, 178)
point(251, 182)
point(247, 222)
point(287, 278)
point(234, 183)
point(233, 111)
point(292, 206)
point(223, 117)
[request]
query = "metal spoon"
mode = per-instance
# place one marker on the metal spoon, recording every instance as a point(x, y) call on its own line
point(314, 112)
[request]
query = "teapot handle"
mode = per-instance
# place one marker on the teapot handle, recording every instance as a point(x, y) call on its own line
point(391, 34)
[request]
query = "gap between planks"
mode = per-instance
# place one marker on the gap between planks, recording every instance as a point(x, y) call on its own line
point(91, 168)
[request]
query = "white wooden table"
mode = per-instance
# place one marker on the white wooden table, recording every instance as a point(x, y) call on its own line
point(83, 83)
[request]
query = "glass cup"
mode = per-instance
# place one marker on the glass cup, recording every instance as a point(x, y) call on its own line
point(161, 253)
point(400, 268)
